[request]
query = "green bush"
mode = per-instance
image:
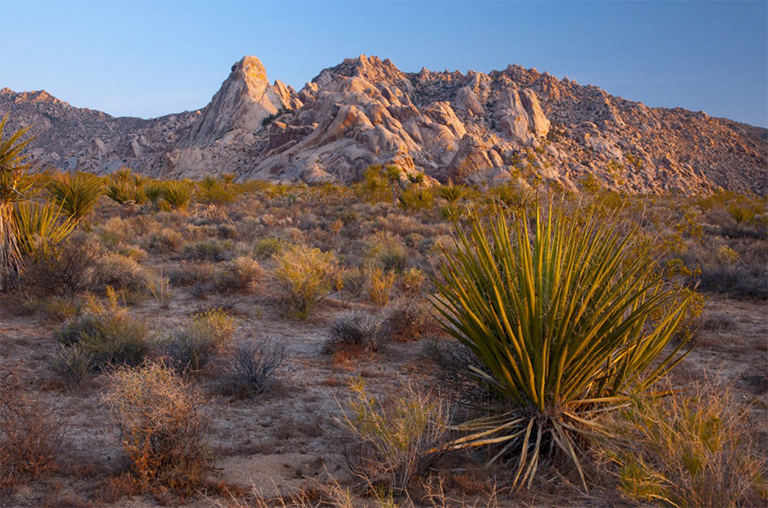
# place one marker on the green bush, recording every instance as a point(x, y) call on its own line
point(567, 314)
point(304, 276)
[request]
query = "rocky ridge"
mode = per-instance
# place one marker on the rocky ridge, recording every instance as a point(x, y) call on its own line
point(515, 124)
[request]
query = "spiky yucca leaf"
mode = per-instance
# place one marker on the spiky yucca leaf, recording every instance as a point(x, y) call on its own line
point(16, 184)
point(41, 226)
point(178, 194)
point(77, 195)
point(567, 314)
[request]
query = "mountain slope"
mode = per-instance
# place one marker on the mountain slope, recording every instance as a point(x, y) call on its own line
point(511, 124)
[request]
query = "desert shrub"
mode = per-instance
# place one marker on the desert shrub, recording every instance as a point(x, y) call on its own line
point(353, 281)
point(164, 241)
point(76, 195)
point(108, 333)
point(64, 269)
point(267, 247)
point(178, 194)
point(392, 440)
point(568, 313)
point(742, 211)
point(388, 251)
point(210, 250)
point(240, 275)
point(191, 273)
point(687, 449)
point(191, 347)
point(162, 425)
point(412, 281)
point(380, 285)
point(30, 432)
point(57, 308)
point(73, 364)
point(408, 319)
point(357, 329)
point(252, 368)
point(120, 272)
point(304, 276)
point(160, 287)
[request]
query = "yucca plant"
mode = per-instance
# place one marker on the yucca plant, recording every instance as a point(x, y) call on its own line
point(16, 185)
point(178, 194)
point(41, 227)
point(452, 192)
point(77, 195)
point(154, 193)
point(568, 315)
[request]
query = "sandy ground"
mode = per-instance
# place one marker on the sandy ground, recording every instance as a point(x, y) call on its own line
point(286, 439)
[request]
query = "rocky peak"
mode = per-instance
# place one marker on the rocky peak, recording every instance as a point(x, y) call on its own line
point(244, 100)
point(372, 69)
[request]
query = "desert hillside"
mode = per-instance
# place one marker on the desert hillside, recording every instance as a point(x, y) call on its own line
point(515, 124)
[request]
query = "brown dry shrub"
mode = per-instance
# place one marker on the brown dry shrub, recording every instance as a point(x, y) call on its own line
point(30, 434)
point(64, 269)
point(162, 425)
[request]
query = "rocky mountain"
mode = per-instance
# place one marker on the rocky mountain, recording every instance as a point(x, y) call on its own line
point(515, 124)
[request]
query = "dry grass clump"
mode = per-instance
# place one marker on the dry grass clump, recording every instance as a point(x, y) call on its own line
point(691, 448)
point(191, 347)
point(304, 277)
point(162, 425)
point(106, 334)
point(392, 440)
point(30, 433)
point(252, 368)
point(356, 329)
point(380, 284)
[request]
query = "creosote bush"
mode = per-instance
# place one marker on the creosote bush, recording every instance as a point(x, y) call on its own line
point(304, 276)
point(163, 428)
point(568, 314)
point(392, 440)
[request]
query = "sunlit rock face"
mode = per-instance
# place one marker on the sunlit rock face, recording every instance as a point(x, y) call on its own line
point(514, 124)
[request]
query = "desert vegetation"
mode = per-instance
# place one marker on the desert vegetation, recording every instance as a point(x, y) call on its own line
point(393, 342)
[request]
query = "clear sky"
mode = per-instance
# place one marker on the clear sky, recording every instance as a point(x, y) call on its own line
point(136, 58)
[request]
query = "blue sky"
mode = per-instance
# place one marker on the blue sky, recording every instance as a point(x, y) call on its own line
point(135, 58)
